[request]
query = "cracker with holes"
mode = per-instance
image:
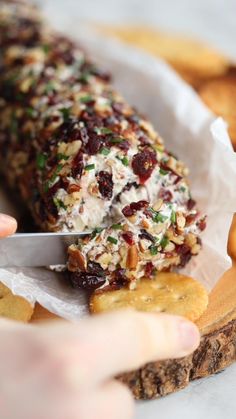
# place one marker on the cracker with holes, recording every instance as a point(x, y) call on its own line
point(14, 307)
point(169, 292)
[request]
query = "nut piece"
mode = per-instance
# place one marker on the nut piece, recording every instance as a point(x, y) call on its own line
point(76, 259)
point(157, 206)
point(180, 220)
point(132, 257)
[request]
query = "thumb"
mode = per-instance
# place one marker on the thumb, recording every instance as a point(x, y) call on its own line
point(8, 225)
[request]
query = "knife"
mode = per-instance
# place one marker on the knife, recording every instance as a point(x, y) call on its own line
point(36, 249)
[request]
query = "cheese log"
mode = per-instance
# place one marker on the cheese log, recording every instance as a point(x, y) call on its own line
point(81, 156)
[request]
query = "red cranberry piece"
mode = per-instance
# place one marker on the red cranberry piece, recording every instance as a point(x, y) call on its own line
point(123, 145)
point(202, 224)
point(127, 211)
point(77, 165)
point(190, 204)
point(128, 237)
point(86, 280)
point(143, 164)
point(191, 218)
point(149, 268)
point(165, 195)
point(94, 144)
point(120, 278)
point(147, 236)
point(105, 184)
point(137, 206)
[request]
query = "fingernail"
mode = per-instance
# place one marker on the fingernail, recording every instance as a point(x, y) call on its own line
point(189, 336)
point(7, 223)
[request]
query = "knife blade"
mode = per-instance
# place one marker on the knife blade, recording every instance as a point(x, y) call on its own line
point(36, 249)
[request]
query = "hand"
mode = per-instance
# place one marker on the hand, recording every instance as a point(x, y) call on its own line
point(61, 370)
point(8, 225)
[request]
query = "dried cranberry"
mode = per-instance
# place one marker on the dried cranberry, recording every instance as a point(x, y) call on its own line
point(123, 145)
point(127, 211)
point(118, 107)
point(86, 280)
point(128, 237)
point(119, 277)
point(95, 268)
point(144, 140)
point(177, 179)
point(185, 254)
point(137, 206)
point(105, 184)
point(94, 144)
point(149, 268)
point(77, 165)
point(202, 224)
point(143, 164)
point(190, 204)
point(191, 218)
point(165, 195)
point(147, 236)
point(103, 75)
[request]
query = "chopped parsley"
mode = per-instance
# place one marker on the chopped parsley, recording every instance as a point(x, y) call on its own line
point(61, 156)
point(52, 179)
point(116, 140)
point(86, 99)
point(173, 217)
point(89, 167)
point(117, 226)
point(41, 160)
point(112, 240)
point(49, 87)
point(182, 189)
point(105, 130)
point(46, 48)
point(163, 172)
point(65, 113)
point(153, 250)
point(84, 78)
point(30, 112)
point(59, 203)
point(124, 160)
point(157, 216)
point(164, 242)
point(105, 151)
point(96, 231)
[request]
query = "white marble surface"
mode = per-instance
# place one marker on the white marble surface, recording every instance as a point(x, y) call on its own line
point(215, 22)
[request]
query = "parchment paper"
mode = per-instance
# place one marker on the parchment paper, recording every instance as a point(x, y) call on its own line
point(191, 132)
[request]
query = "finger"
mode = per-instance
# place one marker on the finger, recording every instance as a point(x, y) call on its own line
point(101, 347)
point(8, 225)
point(113, 400)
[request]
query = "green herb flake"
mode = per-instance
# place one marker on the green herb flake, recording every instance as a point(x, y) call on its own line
point(112, 240)
point(182, 189)
point(61, 156)
point(86, 99)
point(153, 250)
point(164, 242)
point(124, 160)
point(49, 87)
point(163, 172)
point(41, 160)
point(46, 48)
point(157, 216)
point(30, 112)
point(65, 113)
point(105, 130)
point(84, 78)
point(116, 140)
point(55, 174)
point(117, 226)
point(173, 217)
point(96, 231)
point(59, 203)
point(105, 151)
point(89, 167)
